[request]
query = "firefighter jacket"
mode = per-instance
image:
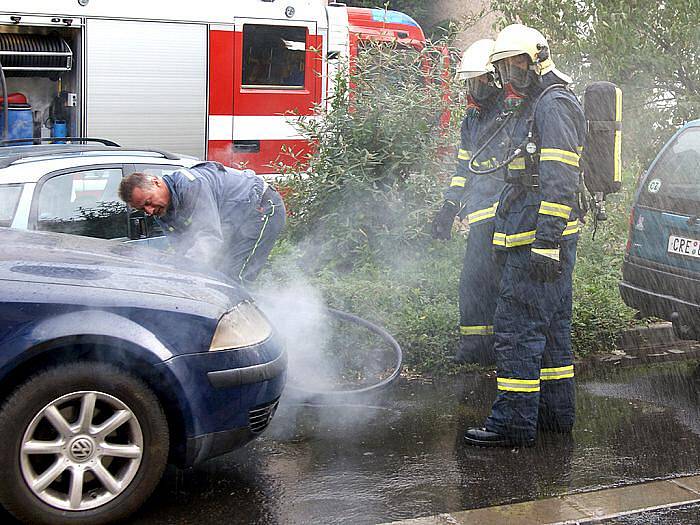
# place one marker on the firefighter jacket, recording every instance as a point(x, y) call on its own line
point(209, 203)
point(477, 195)
point(539, 201)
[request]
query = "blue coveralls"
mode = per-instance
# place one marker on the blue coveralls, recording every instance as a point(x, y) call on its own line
point(477, 196)
point(224, 218)
point(532, 323)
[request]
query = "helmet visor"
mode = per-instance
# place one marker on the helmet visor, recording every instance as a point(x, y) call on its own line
point(514, 70)
point(481, 87)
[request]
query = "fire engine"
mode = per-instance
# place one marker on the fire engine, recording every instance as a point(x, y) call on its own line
point(211, 79)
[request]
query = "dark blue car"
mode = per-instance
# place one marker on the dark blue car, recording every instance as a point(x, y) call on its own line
point(115, 360)
point(661, 272)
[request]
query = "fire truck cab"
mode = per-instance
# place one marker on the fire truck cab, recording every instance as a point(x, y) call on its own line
point(207, 79)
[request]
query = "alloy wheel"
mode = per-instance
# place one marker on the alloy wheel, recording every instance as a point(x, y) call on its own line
point(81, 450)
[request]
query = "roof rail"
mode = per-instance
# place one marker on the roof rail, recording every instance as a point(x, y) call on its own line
point(15, 156)
point(57, 140)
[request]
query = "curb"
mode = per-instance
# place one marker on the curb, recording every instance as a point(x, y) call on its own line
point(650, 344)
point(652, 336)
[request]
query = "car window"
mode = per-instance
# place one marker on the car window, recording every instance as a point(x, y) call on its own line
point(9, 198)
point(274, 56)
point(673, 184)
point(83, 203)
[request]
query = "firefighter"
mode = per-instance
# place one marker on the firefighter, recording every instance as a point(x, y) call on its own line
point(225, 218)
point(536, 231)
point(475, 197)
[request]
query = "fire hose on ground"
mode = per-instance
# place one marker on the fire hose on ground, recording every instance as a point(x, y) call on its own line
point(397, 358)
point(384, 335)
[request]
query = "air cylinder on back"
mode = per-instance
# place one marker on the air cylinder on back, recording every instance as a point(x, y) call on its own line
point(602, 163)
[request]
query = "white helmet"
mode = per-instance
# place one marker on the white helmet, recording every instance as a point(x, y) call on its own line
point(475, 60)
point(517, 39)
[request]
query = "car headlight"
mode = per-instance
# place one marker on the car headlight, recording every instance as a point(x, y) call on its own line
point(244, 325)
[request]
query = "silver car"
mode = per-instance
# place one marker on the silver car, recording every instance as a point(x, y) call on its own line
point(72, 188)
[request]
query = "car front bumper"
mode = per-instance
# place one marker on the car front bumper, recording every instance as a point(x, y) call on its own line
point(226, 397)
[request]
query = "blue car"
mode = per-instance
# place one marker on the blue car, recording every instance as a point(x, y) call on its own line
point(114, 361)
point(661, 272)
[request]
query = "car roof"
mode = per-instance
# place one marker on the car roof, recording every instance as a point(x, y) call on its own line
point(27, 164)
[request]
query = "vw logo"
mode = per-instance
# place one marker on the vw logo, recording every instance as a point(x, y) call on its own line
point(81, 449)
point(289, 11)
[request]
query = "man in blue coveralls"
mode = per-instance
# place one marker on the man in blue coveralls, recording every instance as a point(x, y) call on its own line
point(536, 231)
point(475, 197)
point(225, 218)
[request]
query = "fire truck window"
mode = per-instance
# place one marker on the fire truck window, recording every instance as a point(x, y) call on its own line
point(83, 203)
point(274, 56)
point(9, 198)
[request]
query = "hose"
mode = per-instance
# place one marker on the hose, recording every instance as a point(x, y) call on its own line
point(381, 332)
point(376, 329)
point(488, 141)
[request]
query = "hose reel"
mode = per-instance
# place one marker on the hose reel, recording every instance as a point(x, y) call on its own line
point(34, 55)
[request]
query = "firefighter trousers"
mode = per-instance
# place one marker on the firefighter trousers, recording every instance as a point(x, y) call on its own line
point(478, 292)
point(532, 326)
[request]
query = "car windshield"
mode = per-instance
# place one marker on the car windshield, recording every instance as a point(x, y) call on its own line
point(9, 197)
point(674, 182)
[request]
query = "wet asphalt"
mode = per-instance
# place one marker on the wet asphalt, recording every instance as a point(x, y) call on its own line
point(399, 454)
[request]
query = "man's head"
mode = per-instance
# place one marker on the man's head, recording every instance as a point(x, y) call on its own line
point(522, 57)
point(145, 192)
point(476, 70)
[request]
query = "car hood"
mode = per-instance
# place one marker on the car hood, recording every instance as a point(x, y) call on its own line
point(51, 258)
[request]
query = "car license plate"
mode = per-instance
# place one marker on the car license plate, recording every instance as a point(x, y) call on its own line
point(684, 246)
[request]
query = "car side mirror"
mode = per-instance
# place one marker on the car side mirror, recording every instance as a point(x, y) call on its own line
point(137, 228)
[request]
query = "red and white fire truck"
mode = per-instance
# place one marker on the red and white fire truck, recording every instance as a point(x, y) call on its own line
point(211, 79)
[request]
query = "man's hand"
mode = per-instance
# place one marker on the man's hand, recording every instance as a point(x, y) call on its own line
point(443, 221)
point(545, 265)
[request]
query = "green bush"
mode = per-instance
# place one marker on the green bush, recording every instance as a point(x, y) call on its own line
point(370, 187)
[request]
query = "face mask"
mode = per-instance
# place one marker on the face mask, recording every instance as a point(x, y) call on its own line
point(519, 78)
point(481, 88)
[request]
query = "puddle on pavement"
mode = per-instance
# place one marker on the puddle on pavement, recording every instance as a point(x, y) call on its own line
point(399, 454)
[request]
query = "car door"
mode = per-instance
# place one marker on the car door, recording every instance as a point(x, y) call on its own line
point(81, 201)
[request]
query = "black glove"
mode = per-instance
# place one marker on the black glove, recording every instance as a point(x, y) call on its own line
point(545, 265)
point(443, 221)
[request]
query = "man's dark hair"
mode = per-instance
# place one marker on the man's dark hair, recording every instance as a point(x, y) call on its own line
point(136, 180)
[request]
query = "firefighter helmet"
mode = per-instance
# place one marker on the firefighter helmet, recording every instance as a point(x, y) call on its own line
point(517, 39)
point(475, 60)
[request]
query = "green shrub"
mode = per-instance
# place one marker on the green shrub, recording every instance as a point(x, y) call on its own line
point(372, 182)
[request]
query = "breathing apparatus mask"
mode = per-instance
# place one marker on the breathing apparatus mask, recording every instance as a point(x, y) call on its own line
point(517, 76)
point(479, 90)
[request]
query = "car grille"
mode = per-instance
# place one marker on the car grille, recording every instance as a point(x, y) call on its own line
point(260, 416)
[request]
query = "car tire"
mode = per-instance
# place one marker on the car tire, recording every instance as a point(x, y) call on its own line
point(101, 427)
